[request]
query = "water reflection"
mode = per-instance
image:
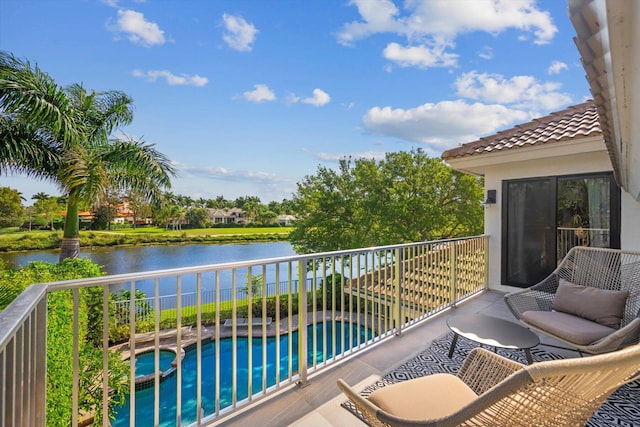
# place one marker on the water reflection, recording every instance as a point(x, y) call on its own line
point(148, 258)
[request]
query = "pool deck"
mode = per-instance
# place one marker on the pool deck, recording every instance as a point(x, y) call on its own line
point(145, 342)
point(318, 404)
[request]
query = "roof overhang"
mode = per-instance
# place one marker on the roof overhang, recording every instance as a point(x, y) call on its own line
point(608, 39)
point(477, 165)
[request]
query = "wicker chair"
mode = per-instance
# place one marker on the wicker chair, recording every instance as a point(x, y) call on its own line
point(490, 390)
point(603, 273)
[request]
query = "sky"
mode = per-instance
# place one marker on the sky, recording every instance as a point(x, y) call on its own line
point(247, 97)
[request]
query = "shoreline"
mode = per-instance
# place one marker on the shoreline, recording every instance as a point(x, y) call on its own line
point(90, 239)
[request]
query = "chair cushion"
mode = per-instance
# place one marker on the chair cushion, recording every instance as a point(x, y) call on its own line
point(603, 306)
point(570, 328)
point(425, 398)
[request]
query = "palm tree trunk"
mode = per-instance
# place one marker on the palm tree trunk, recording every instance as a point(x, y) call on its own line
point(70, 246)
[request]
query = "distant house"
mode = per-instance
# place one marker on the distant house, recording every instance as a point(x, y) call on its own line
point(227, 216)
point(218, 216)
point(124, 214)
point(285, 220)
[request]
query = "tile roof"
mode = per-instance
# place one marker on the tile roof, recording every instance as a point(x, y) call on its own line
point(576, 121)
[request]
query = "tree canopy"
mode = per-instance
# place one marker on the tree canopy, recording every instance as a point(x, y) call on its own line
point(11, 210)
point(407, 197)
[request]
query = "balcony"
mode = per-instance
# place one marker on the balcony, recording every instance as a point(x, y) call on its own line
point(350, 314)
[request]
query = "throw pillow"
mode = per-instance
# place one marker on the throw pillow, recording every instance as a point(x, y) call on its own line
point(602, 306)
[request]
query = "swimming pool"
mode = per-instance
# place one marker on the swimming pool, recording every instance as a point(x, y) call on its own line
point(145, 362)
point(145, 398)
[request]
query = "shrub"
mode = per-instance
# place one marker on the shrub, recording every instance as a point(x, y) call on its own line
point(60, 339)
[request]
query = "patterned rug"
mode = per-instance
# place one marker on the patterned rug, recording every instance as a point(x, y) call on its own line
point(622, 408)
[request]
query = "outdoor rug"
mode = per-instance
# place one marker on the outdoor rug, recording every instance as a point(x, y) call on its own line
point(622, 408)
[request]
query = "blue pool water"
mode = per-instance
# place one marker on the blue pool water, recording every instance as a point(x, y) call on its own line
point(145, 398)
point(145, 362)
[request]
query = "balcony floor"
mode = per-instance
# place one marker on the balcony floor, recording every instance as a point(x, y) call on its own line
point(318, 404)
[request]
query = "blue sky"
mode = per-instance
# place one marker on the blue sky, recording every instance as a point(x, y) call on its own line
point(248, 97)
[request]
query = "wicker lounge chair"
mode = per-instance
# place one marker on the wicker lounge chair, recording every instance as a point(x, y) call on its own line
point(490, 390)
point(590, 302)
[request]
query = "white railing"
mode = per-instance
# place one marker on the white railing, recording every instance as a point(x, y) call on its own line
point(578, 236)
point(351, 299)
point(145, 306)
point(23, 359)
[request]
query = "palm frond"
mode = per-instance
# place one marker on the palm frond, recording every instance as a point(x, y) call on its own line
point(25, 149)
point(33, 95)
point(135, 165)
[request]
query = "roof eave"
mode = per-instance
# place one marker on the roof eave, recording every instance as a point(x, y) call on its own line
point(477, 164)
point(608, 39)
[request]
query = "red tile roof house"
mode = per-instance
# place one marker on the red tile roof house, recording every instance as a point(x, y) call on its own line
point(572, 177)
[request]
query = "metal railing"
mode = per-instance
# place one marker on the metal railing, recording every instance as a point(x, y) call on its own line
point(569, 237)
point(227, 357)
point(167, 303)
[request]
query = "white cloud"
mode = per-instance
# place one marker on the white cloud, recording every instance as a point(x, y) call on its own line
point(523, 92)
point(556, 67)
point(319, 98)
point(442, 125)
point(378, 17)
point(447, 18)
point(420, 56)
point(170, 78)
point(222, 173)
point(138, 29)
point(437, 23)
point(260, 93)
point(239, 34)
point(486, 53)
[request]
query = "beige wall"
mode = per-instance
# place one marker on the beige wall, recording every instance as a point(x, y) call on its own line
point(630, 238)
point(597, 161)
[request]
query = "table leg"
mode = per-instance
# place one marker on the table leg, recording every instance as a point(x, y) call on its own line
point(454, 341)
point(527, 353)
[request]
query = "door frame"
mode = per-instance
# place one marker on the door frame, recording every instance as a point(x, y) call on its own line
point(615, 214)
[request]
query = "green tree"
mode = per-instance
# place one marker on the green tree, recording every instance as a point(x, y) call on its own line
point(76, 126)
point(60, 313)
point(407, 197)
point(40, 196)
point(106, 209)
point(11, 210)
point(265, 216)
point(176, 216)
point(139, 206)
point(254, 284)
point(197, 217)
point(46, 207)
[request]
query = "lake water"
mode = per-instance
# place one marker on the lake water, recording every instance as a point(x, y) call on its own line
point(148, 258)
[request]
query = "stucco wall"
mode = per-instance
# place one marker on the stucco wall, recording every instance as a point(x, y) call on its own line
point(562, 165)
point(630, 238)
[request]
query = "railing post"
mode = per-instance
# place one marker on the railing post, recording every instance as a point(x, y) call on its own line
point(398, 287)
point(454, 273)
point(302, 324)
point(485, 246)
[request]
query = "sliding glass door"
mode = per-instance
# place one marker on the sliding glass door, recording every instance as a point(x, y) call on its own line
point(545, 217)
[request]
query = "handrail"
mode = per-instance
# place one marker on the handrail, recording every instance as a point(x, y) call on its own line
point(14, 315)
point(333, 304)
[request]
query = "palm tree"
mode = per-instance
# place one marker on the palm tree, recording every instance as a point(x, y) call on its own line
point(73, 128)
point(40, 196)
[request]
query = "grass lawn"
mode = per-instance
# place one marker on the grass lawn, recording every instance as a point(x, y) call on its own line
point(15, 239)
point(200, 231)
